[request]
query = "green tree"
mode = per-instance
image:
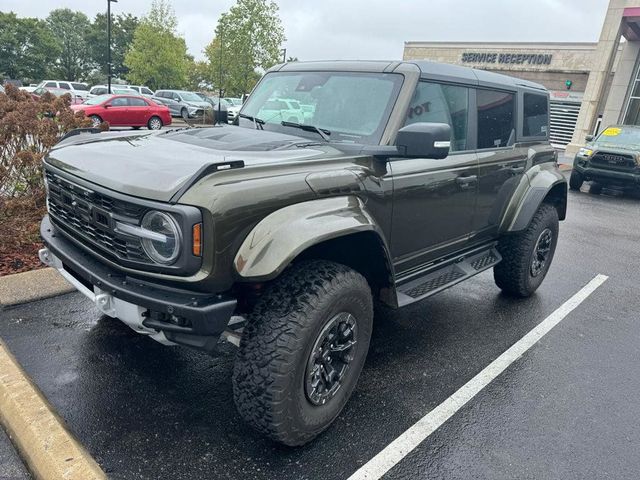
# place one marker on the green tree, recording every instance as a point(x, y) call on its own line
point(27, 48)
point(122, 29)
point(70, 29)
point(158, 56)
point(248, 40)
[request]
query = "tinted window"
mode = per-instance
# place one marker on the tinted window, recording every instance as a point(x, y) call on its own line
point(161, 94)
point(119, 102)
point(99, 91)
point(79, 86)
point(51, 85)
point(352, 106)
point(536, 115)
point(146, 91)
point(137, 102)
point(65, 86)
point(436, 103)
point(495, 119)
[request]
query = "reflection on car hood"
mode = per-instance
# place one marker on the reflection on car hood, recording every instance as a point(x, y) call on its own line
point(156, 165)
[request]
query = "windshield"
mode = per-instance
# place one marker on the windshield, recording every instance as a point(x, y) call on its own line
point(190, 97)
point(354, 107)
point(619, 136)
point(97, 100)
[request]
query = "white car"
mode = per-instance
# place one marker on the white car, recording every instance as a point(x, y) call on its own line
point(281, 110)
point(77, 89)
point(141, 89)
point(115, 89)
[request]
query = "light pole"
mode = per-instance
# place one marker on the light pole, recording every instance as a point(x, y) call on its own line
point(109, 43)
point(284, 55)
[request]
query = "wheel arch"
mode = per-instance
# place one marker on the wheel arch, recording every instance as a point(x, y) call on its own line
point(337, 229)
point(543, 183)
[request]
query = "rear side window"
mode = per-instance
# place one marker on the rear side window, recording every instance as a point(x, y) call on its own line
point(137, 102)
point(98, 91)
point(440, 103)
point(496, 123)
point(146, 91)
point(119, 102)
point(79, 86)
point(536, 115)
point(51, 85)
point(65, 86)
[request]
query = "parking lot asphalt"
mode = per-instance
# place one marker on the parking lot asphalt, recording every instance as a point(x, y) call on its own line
point(566, 409)
point(11, 467)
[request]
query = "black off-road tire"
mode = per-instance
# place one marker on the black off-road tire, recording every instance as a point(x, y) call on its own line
point(270, 371)
point(575, 180)
point(595, 188)
point(514, 273)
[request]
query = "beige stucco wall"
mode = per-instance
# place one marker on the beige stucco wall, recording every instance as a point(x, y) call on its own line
point(566, 57)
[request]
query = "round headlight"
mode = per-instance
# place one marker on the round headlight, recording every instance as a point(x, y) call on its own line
point(165, 248)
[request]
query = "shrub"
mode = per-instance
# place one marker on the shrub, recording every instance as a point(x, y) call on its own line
point(28, 130)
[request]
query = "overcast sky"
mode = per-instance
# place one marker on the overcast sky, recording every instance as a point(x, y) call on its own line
point(372, 29)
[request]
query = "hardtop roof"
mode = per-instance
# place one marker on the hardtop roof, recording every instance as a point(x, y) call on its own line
point(427, 69)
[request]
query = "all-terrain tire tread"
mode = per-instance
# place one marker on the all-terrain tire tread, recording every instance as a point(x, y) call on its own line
point(276, 328)
point(511, 273)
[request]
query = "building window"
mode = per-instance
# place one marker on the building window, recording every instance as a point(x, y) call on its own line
point(632, 113)
point(496, 125)
point(439, 103)
point(536, 115)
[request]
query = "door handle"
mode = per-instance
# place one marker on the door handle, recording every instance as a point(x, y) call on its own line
point(466, 183)
point(517, 170)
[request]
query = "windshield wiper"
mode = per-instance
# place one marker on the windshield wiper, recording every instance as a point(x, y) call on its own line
point(257, 122)
point(323, 132)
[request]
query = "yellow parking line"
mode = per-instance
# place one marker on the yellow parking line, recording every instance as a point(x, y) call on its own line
point(48, 449)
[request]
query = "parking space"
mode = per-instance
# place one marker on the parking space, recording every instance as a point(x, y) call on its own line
point(566, 409)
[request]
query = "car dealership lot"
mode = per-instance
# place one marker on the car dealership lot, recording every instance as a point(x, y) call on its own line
point(566, 409)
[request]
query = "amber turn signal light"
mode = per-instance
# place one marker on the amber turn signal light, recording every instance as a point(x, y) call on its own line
point(197, 240)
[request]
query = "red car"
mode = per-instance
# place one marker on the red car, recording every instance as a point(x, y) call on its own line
point(58, 92)
point(125, 111)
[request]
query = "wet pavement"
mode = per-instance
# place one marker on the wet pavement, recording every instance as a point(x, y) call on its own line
point(566, 409)
point(11, 466)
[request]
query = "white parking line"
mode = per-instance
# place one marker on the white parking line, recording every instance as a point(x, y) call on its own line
point(411, 438)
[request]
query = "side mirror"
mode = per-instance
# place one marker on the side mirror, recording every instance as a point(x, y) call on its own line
point(588, 138)
point(428, 140)
point(107, 105)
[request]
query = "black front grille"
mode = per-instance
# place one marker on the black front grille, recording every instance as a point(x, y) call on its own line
point(89, 217)
point(613, 161)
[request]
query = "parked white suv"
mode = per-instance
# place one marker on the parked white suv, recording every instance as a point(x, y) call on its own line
point(142, 90)
point(78, 89)
point(115, 89)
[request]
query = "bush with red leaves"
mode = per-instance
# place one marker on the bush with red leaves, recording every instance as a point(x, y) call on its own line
point(28, 130)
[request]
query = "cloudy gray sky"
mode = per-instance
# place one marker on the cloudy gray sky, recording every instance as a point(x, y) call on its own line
point(367, 29)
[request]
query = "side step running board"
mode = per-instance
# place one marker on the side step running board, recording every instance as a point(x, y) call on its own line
point(444, 276)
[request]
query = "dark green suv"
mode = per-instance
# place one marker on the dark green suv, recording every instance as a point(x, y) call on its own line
point(611, 159)
point(402, 179)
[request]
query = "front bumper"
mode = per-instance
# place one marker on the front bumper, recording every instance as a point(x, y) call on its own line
point(167, 314)
point(612, 177)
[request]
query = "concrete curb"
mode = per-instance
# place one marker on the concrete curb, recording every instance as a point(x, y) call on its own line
point(29, 286)
point(45, 445)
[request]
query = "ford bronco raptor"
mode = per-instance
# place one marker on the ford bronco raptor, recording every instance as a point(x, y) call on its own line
point(280, 236)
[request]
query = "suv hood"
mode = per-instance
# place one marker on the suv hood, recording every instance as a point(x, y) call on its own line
point(156, 165)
